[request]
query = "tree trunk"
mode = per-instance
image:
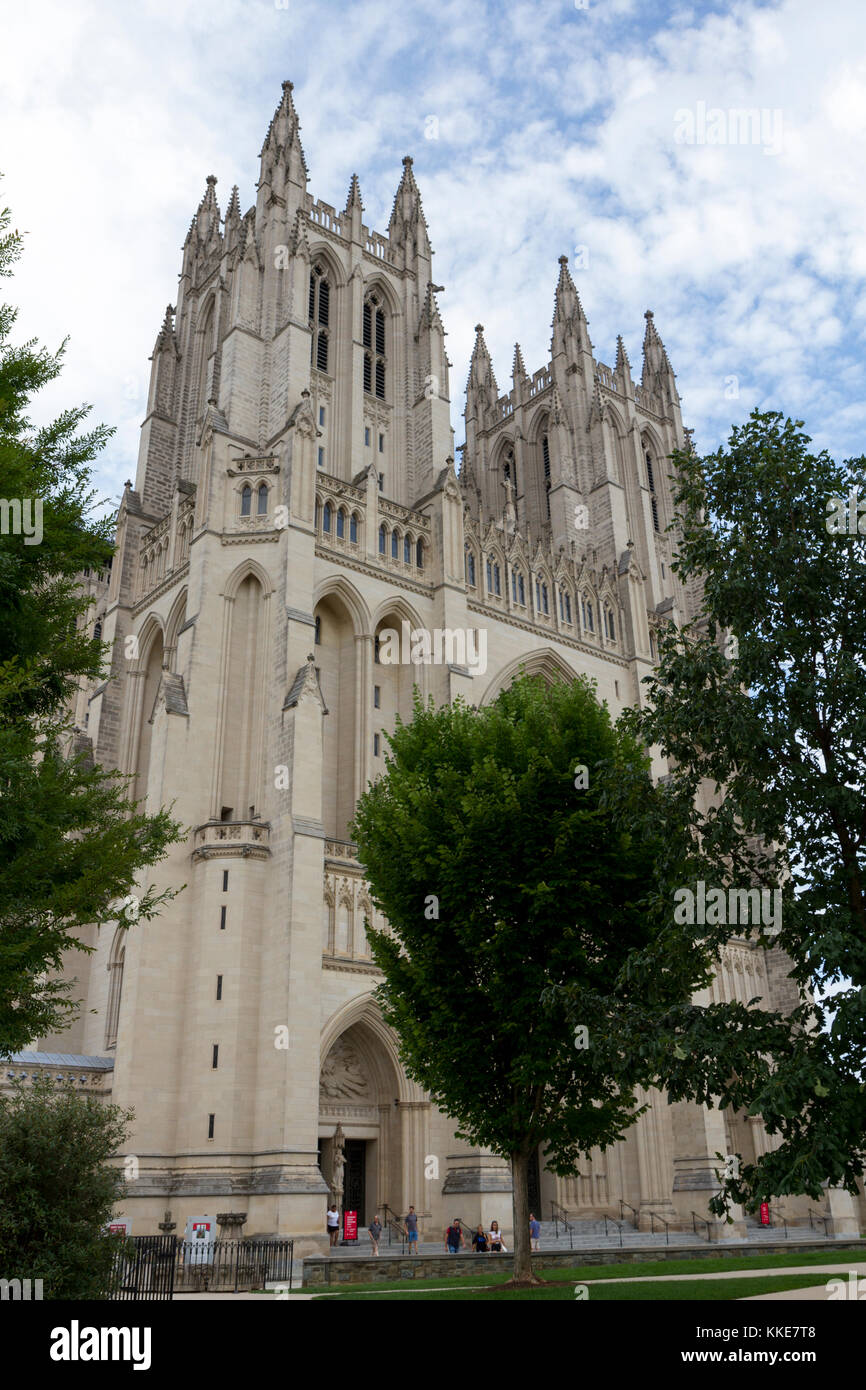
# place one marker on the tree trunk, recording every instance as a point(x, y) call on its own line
point(522, 1276)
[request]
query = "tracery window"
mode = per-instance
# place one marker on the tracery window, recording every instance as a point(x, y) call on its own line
point(319, 313)
point(374, 346)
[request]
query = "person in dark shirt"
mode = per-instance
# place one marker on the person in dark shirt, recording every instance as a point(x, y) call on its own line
point(479, 1241)
point(454, 1237)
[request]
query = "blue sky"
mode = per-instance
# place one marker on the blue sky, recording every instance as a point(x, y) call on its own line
point(538, 129)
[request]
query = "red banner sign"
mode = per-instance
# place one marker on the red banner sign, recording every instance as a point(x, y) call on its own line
point(350, 1225)
point(765, 1213)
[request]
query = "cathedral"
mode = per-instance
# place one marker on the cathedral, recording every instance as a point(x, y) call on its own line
point(297, 497)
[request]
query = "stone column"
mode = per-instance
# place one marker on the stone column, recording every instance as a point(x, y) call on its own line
point(654, 1162)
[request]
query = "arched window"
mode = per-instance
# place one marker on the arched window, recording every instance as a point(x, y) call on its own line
point(318, 637)
point(115, 988)
point(545, 458)
point(652, 487)
point(609, 626)
point(353, 528)
point(565, 605)
point(326, 519)
point(263, 499)
point(320, 311)
point(419, 553)
point(587, 613)
point(518, 588)
point(470, 569)
point(395, 545)
point(246, 499)
point(407, 550)
point(205, 347)
point(652, 647)
point(374, 346)
point(381, 540)
point(97, 631)
point(341, 524)
point(544, 600)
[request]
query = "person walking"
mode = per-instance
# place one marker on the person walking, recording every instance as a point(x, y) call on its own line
point(333, 1224)
point(454, 1237)
point(375, 1229)
point(496, 1246)
point(534, 1230)
point(410, 1231)
point(480, 1243)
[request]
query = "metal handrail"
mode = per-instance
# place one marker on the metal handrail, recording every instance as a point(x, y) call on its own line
point(632, 1209)
point(393, 1223)
point(554, 1206)
point(774, 1211)
point(653, 1216)
point(818, 1217)
point(704, 1222)
point(610, 1219)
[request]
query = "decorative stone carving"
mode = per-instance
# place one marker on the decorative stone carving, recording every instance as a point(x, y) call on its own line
point(342, 1075)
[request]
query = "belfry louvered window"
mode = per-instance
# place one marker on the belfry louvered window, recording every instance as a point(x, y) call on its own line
point(545, 458)
point(319, 313)
point(374, 346)
point(652, 487)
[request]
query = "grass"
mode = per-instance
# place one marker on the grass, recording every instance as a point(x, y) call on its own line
point(643, 1270)
point(707, 1290)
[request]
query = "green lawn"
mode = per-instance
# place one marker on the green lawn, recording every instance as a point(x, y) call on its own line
point(649, 1270)
point(706, 1290)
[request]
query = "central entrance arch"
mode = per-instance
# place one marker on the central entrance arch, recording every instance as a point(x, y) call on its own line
point(363, 1090)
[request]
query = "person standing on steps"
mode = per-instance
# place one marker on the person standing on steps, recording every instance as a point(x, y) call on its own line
point(410, 1231)
point(454, 1237)
point(375, 1229)
point(534, 1230)
point(496, 1246)
point(333, 1224)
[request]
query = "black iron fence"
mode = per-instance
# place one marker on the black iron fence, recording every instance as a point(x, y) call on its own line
point(156, 1267)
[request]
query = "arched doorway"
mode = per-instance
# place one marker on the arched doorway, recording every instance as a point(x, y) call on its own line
point(363, 1092)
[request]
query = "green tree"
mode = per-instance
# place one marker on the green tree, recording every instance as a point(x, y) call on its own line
point(57, 1187)
point(70, 844)
point(763, 700)
point(520, 896)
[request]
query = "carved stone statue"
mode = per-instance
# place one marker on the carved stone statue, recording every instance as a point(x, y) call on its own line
point(339, 1163)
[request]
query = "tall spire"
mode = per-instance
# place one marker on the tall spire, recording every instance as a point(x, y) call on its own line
point(204, 236)
point(408, 226)
point(518, 366)
point(481, 377)
point(233, 219)
point(282, 155)
point(165, 338)
point(622, 368)
point(569, 320)
point(657, 375)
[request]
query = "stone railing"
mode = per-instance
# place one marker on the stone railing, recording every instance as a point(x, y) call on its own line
point(540, 381)
point(91, 1074)
point(242, 839)
point(380, 247)
point(323, 215)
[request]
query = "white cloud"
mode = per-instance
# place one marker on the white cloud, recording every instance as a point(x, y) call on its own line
point(556, 130)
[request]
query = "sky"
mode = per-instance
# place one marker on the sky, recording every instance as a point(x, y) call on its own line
point(604, 130)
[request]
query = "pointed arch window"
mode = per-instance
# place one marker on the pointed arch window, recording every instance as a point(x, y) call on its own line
point(326, 519)
point(565, 605)
point(341, 524)
point(353, 528)
point(587, 613)
point(419, 554)
point(373, 329)
point(652, 487)
point(609, 624)
point(470, 569)
point(115, 989)
point(395, 545)
point(545, 458)
point(494, 581)
point(518, 588)
point(381, 540)
point(319, 314)
point(262, 506)
point(407, 550)
point(246, 499)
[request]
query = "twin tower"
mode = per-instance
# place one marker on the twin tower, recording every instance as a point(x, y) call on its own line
point(296, 496)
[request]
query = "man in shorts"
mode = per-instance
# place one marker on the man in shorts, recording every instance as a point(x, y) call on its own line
point(410, 1231)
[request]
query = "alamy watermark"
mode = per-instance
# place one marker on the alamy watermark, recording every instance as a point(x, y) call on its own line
point(420, 646)
point(715, 907)
point(735, 125)
point(846, 516)
point(22, 516)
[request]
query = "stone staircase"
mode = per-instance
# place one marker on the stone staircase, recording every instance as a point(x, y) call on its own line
point(591, 1235)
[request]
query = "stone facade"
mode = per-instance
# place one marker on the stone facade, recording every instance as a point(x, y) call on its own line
point(296, 497)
